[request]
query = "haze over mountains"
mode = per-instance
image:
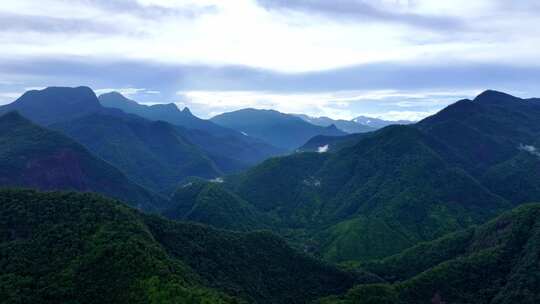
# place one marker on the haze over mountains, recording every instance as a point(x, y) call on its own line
point(410, 212)
point(165, 112)
point(360, 124)
point(379, 193)
point(281, 130)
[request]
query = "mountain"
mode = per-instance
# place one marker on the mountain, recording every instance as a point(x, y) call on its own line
point(379, 123)
point(496, 263)
point(389, 191)
point(54, 104)
point(322, 143)
point(230, 149)
point(378, 193)
point(136, 145)
point(487, 130)
point(281, 130)
point(89, 249)
point(154, 154)
point(34, 157)
point(209, 202)
point(347, 126)
point(165, 112)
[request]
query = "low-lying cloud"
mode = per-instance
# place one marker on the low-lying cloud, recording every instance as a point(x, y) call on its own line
point(323, 149)
point(530, 149)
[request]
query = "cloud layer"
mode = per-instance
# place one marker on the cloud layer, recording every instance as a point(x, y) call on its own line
point(338, 58)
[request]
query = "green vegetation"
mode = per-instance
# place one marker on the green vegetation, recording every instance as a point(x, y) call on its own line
point(387, 192)
point(83, 247)
point(381, 204)
point(137, 147)
point(34, 157)
point(210, 203)
point(376, 194)
point(494, 263)
point(230, 150)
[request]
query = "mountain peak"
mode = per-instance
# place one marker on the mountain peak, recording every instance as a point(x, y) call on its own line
point(185, 110)
point(115, 97)
point(73, 94)
point(112, 94)
point(492, 96)
point(54, 104)
point(333, 127)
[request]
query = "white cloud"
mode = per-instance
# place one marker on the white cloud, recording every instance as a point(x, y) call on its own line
point(8, 97)
point(323, 149)
point(384, 104)
point(217, 33)
point(402, 115)
point(330, 104)
point(126, 91)
point(242, 32)
point(530, 149)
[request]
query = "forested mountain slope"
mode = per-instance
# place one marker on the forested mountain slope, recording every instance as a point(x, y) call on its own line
point(375, 194)
point(34, 157)
point(496, 263)
point(153, 154)
point(89, 249)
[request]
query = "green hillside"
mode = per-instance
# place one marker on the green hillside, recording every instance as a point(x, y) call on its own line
point(229, 149)
point(34, 157)
point(83, 247)
point(210, 203)
point(388, 192)
point(496, 263)
point(153, 154)
point(375, 194)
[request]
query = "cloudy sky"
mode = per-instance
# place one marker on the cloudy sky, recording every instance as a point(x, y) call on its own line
point(340, 58)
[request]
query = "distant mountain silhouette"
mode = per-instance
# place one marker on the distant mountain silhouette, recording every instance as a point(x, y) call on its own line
point(155, 154)
point(230, 149)
point(34, 157)
point(165, 112)
point(347, 126)
point(55, 104)
point(379, 123)
point(279, 129)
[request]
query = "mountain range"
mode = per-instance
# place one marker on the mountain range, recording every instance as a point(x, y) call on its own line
point(281, 130)
point(135, 144)
point(496, 263)
point(378, 123)
point(360, 124)
point(165, 112)
point(83, 247)
point(378, 193)
point(348, 126)
point(265, 207)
